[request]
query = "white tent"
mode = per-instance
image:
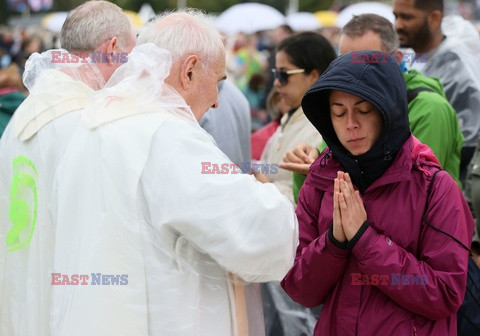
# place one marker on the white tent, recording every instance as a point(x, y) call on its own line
point(249, 18)
point(369, 7)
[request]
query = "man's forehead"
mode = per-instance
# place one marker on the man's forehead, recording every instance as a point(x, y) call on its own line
point(370, 40)
point(403, 4)
point(221, 66)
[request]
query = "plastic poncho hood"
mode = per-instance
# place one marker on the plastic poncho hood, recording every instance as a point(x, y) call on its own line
point(377, 78)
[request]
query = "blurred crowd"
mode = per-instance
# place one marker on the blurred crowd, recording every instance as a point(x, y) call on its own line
point(250, 60)
point(250, 57)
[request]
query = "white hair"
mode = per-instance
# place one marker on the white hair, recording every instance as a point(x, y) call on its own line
point(185, 32)
point(93, 23)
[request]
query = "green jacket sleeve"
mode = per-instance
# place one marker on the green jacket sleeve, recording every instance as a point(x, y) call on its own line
point(434, 122)
point(298, 179)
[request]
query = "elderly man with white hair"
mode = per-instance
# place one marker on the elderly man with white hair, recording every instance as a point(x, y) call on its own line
point(30, 150)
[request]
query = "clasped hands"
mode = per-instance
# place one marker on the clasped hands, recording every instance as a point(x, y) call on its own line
point(348, 209)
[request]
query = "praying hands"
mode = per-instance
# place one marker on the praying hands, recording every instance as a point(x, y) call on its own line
point(348, 210)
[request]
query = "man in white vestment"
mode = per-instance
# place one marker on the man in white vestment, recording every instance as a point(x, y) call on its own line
point(61, 83)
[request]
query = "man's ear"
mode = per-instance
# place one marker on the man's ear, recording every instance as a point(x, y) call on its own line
point(435, 19)
point(188, 71)
point(110, 47)
point(397, 55)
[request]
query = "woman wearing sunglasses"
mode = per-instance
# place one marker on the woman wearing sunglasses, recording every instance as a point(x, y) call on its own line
point(300, 60)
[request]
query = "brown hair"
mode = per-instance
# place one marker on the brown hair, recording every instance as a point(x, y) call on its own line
point(10, 77)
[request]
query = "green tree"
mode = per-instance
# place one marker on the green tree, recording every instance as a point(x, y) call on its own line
point(216, 6)
point(3, 12)
point(133, 5)
point(66, 5)
point(211, 6)
point(315, 5)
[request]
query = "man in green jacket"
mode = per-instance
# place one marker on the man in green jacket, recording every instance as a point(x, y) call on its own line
point(9, 101)
point(432, 119)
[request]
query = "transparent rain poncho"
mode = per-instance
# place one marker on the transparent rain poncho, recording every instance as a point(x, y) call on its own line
point(455, 62)
point(56, 88)
point(130, 238)
point(30, 149)
point(139, 82)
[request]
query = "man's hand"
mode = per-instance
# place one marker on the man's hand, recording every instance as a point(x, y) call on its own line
point(299, 159)
point(262, 178)
point(352, 210)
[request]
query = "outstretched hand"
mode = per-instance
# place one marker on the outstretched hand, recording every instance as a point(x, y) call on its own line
point(301, 168)
point(299, 159)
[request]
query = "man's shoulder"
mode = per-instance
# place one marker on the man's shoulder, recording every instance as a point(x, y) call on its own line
point(455, 68)
point(450, 56)
point(416, 80)
point(430, 108)
point(444, 56)
point(174, 129)
point(428, 98)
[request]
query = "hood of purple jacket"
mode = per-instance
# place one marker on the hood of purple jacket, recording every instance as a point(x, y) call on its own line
point(377, 80)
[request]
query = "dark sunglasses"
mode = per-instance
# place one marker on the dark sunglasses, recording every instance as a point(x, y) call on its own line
point(282, 75)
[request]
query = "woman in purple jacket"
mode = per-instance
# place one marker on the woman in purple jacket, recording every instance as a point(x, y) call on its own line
point(384, 251)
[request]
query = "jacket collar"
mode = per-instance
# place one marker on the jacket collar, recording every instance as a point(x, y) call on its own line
point(292, 117)
point(62, 95)
point(412, 155)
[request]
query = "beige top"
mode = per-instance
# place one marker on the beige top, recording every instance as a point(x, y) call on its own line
point(290, 133)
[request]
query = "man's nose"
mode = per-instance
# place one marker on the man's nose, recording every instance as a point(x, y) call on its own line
point(398, 24)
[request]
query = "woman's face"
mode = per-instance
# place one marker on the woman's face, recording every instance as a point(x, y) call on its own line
point(357, 122)
point(297, 84)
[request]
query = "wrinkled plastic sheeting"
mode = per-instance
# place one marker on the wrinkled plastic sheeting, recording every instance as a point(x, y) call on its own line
point(283, 316)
